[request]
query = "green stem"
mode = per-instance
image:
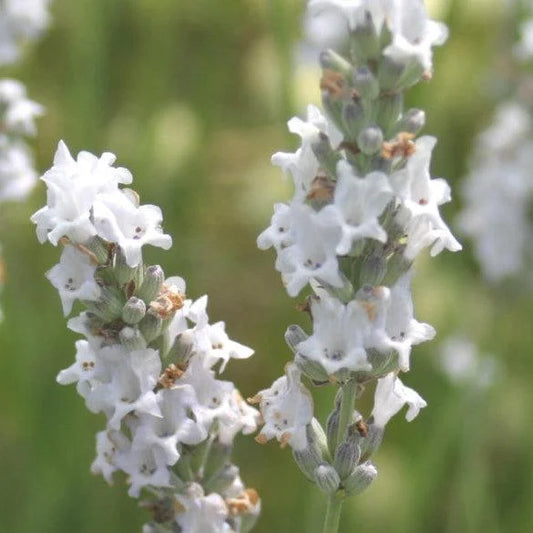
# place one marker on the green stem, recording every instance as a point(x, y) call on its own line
point(333, 514)
point(347, 407)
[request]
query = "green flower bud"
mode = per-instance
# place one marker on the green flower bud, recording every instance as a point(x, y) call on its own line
point(372, 441)
point(217, 459)
point(151, 285)
point(312, 369)
point(108, 307)
point(221, 481)
point(332, 428)
point(360, 479)
point(364, 41)
point(332, 61)
point(327, 157)
point(389, 109)
point(133, 311)
point(370, 140)
point(294, 336)
point(373, 268)
point(347, 456)
point(412, 121)
point(123, 273)
point(150, 327)
point(182, 348)
point(99, 249)
point(365, 83)
point(327, 478)
point(131, 339)
point(353, 118)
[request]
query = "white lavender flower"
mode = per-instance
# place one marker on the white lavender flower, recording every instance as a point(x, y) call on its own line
point(364, 206)
point(497, 193)
point(149, 356)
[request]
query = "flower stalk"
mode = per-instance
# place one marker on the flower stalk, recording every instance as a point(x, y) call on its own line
point(364, 206)
point(149, 359)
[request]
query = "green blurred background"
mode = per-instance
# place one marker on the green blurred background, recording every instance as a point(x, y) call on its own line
point(193, 96)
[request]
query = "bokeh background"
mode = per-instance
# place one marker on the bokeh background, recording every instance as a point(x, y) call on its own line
point(193, 97)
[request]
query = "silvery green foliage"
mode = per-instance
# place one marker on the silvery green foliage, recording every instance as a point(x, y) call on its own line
point(364, 206)
point(150, 358)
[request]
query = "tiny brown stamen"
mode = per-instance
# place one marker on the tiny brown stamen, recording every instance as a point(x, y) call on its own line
point(334, 83)
point(362, 428)
point(401, 146)
point(168, 378)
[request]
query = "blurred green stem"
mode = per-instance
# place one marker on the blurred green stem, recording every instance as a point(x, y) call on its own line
point(346, 412)
point(333, 511)
point(333, 514)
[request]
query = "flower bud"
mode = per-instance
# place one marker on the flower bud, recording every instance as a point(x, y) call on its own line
point(108, 307)
point(123, 273)
point(182, 348)
point(365, 83)
point(312, 369)
point(99, 248)
point(326, 156)
point(347, 456)
point(370, 140)
point(412, 121)
point(151, 285)
point(217, 459)
point(373, 269)
point(221, 481)
point(364, 40)
point(150, 326)
point(131, 339)
point(332, 428)
point(389, 109)
point(333, 108)
point(332, 61)
point(133, 311)
point(327, 479)
point(294, 336)
point(353, 118)
point(360, 479)
point(390, 73)
point(372, 441)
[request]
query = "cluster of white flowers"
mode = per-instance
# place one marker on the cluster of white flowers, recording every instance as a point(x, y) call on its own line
point(498, 190)
point(20, 21)
point(149, 357)
point(498, 193)
point(17, 120)
point(364, 205)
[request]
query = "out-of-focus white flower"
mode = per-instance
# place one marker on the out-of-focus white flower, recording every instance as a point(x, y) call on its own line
point(413, 33)
point(287, 408)
point(464, 365)
point(524, 49)
point(391, 395)
point(498, 192)
point(17, 112)
point(20, 21)
point(201, 513)
point(17, 174)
